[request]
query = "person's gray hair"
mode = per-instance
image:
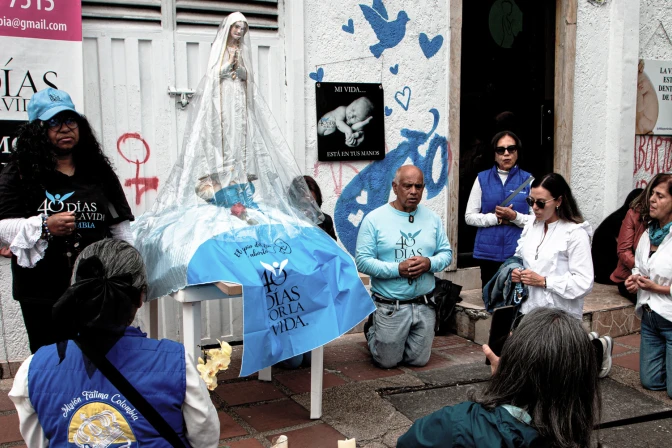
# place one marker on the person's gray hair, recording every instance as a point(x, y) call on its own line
point(548, 367)
point(400, 169)
point(118, 258)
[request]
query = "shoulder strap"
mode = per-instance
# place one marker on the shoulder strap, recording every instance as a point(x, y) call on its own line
point(119, 381)
point(518, 190)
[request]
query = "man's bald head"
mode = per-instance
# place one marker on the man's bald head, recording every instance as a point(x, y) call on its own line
point(405, 170)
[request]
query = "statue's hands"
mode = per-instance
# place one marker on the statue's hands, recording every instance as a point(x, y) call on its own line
point(241, 73)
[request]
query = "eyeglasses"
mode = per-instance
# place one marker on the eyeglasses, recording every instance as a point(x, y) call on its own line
point(541, 204)
point(55, 124)
point(501, 149)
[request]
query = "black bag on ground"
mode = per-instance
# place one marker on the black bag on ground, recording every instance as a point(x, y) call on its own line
point(446, 295)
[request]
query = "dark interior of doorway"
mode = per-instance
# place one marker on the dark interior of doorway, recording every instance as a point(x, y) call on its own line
point(507, 82)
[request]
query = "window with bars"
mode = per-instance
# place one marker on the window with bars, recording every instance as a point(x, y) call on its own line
point(261, 14)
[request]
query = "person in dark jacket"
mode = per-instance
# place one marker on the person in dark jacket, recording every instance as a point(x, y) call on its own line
point(547, 367)
point(604, 248)
point(499, 225)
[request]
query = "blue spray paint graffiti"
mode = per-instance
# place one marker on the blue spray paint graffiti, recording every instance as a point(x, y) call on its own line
point(430, 46)
point(317, 76)
point(389, 33)
point(376, 179)
point(403, 98)
point(349, 28)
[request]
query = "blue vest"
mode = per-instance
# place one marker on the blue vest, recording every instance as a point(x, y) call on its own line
point(497, 243)
point(77, 410)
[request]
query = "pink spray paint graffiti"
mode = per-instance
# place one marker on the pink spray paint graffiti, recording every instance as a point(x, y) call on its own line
point(336, 173)
point(142, 184)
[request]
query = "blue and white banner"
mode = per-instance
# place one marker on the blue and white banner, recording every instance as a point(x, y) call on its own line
point(299, 292)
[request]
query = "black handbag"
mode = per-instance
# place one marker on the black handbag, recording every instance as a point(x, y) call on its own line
point(129, 392)
point(446, 296)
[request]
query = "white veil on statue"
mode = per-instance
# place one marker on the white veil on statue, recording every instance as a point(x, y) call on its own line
point(235, 169)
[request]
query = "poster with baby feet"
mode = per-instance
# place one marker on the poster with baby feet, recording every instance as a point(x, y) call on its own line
point(350, 121)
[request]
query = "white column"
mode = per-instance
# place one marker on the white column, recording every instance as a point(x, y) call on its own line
point(191, 313)
point(316, 380)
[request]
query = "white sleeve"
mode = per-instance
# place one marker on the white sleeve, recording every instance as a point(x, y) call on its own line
point(122, 231)
point(23, 237)
point(473, 215)
point(29, 424)
point(521, 219)
point(200, 415)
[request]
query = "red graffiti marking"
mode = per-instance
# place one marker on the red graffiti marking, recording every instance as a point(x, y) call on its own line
point(338, 183)
point(142, 184)
point(653, 154)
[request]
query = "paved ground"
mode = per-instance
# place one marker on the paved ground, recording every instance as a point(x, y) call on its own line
point(376, 406)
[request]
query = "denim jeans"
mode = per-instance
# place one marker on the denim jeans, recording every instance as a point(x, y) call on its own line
point(401, 334)
point(655, 352)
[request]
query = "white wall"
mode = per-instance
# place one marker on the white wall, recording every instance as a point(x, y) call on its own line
point(604, 97)
point(345, 57)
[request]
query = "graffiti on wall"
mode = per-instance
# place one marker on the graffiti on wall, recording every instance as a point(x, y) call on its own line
point(653, 155)
point(371, 188)
point(135, 150)
point(371, 185)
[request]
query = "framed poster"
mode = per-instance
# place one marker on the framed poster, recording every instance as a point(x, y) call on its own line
point(654, 97)
point(350, 121)
point(40, 47)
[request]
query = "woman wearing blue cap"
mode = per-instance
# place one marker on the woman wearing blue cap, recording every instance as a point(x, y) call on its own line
point(58, 195)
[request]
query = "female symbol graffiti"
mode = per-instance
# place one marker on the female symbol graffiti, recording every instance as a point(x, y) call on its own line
point(142, 184)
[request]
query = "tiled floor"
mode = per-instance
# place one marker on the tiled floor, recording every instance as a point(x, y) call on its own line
point(253, 412)
point(626, 352)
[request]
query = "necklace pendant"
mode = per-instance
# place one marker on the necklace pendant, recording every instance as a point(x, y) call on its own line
point(411, 219)
point(536, 257)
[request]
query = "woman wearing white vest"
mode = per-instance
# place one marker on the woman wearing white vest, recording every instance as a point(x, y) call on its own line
point(63, 398)
point(499, 226)
point(651, 279)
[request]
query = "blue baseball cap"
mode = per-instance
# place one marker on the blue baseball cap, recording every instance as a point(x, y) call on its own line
point(47, 103)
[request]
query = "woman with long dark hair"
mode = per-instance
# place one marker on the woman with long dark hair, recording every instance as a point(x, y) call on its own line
point(543, 392)
point(651, 279)
point(499, 222)
point(109, 285)
point(555, 249)
point(58, 194)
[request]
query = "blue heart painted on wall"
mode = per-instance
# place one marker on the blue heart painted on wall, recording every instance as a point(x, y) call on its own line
point(388, 111)
point(405, 98)
point(430, 46)
point(349, 28)
point(317, 76)
point(394, 69)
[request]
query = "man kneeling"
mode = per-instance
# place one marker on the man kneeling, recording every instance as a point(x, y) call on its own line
point(400, 245)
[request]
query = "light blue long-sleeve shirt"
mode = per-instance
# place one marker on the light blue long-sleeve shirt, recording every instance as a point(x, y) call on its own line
point(386, 238)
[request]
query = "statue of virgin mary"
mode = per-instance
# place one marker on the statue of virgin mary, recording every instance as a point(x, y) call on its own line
point(235, 208)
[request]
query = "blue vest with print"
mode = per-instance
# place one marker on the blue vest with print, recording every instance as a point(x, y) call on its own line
point(497, 243)
point(77, 410)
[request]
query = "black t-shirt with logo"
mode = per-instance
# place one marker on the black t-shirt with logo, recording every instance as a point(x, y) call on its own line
point(98, 202)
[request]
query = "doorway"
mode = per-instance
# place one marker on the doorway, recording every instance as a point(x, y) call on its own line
point(507, 83)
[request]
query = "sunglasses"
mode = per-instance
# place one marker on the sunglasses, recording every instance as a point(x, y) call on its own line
point(501, 149)
point(55, 124)
point(541, 204)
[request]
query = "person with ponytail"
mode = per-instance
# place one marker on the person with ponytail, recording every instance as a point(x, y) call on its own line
point(63, 393)
point(651, 279)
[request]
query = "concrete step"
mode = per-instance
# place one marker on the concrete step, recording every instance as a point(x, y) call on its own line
point(604, 311)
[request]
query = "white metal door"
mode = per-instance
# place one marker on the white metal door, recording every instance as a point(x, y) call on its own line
point(134, 52)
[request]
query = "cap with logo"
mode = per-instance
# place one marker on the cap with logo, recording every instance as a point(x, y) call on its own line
point(47, 103)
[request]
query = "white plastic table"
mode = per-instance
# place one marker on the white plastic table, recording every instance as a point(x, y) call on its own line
point(191, 298)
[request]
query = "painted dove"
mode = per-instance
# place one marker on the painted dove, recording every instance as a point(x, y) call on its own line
point(389, 33)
